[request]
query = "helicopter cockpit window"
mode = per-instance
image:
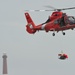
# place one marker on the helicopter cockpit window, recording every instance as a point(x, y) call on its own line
point(71, 20)
point(63, 14)
point(55, 14)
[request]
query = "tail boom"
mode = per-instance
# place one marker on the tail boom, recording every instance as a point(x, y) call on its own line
point(30, 24)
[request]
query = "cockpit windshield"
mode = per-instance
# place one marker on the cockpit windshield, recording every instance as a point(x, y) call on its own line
point(71, 19)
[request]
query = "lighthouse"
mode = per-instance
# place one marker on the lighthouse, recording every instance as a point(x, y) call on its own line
point(4, 64)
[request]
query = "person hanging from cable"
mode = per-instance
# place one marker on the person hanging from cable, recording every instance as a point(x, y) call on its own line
point(62, 56)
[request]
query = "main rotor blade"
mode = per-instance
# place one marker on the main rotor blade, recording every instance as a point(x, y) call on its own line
point(68, 8)
point(38, 10)
point(51, 7)
point(54, 9)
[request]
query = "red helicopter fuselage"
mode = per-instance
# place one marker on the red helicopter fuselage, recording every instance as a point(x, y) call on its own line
point(55, 23)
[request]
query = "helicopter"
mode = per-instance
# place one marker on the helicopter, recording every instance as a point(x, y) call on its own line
point(58, 21)
point(63, 56)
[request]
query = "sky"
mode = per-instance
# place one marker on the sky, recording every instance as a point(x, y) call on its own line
point(36, 54)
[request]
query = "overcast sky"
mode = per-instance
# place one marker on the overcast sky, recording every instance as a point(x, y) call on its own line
point(34, 54)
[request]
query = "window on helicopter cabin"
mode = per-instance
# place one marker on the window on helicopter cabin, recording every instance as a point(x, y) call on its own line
point(71, 19)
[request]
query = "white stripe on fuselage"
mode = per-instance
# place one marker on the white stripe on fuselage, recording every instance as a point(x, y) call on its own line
point(43, 26)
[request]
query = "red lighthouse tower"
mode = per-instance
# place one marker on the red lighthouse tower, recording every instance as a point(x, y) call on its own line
point(4, 64)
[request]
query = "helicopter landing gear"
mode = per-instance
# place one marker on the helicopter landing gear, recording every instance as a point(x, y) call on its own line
point(53, 34)
point(63, 33)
